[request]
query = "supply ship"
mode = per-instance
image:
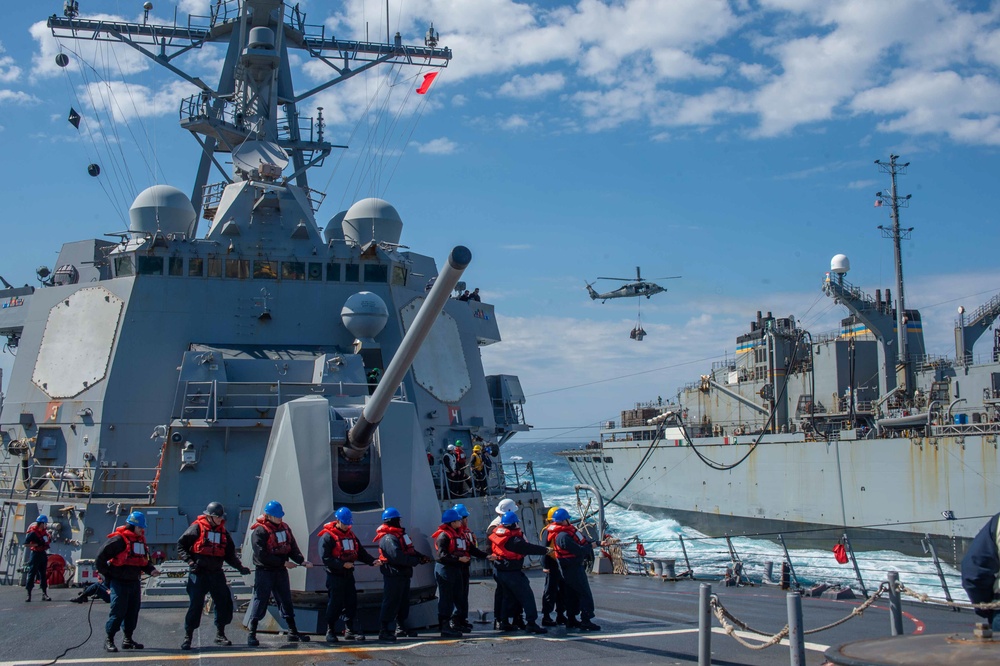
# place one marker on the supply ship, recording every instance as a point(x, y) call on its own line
point(859, 433)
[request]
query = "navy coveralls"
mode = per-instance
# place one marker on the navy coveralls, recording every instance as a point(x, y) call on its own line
point(206, 577)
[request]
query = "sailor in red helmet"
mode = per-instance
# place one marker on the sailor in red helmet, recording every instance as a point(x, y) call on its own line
point(510, 549)
point(397, 557)
point(274, 553)
point(206, 545)
point(571, 549)
point(122, 560)
point(37, 541)
point(341, 550)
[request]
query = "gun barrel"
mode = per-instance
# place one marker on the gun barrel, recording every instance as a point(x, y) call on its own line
point(361, 433)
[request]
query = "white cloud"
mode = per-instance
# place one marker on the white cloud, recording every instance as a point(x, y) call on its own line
point(17, 97)
point(534, 85)
point(126, 101)
point(442, 146)
point(514, 123)
point(9, 71)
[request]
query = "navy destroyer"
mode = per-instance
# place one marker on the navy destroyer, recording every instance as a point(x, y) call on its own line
point(859, 432)
point(263, 356)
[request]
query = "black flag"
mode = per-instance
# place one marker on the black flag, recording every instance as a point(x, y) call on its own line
point(74, 118)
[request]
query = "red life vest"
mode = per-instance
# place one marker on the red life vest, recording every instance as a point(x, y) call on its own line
point(498, 543)
point(279, 537)
point(345, 544)
point(457, 545)
point(399, 533)
point(211, 541)
point(43, 536)
point(562, 553)
point(459, 457)
point(468, 535)
point(135, 553)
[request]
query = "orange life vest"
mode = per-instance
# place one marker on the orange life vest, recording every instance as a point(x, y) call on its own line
point(211, 541)
point(457, 545)
point(399, 533)
point(345, 544)
point(561, 553)
point(468, 535)
point(279, 537)
point(135, 554)
point(43, 536)
point(498, 543)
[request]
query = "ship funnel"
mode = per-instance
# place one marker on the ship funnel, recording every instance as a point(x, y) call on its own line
point(361, 434)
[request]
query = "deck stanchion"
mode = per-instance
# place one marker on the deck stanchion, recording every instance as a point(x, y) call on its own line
point(704, 625)
point(929, 548)
point(895, 605)
point(687, 562)
point(854, 561)
point(796, 639)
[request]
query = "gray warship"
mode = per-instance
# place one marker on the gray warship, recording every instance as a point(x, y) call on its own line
point(266, 358)
point(857, 434)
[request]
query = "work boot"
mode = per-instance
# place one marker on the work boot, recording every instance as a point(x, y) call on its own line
point(79, 599)
point(447, 631)
point(405, 633)
point(186, 643)
point(293, 633)
point(46, 597)
point(351, 636)
point(572, 622)
point(462, 625)
point(533, 628)
point(547, 621)
point(129, 644)
point(386, 635)
point(560, 618)
point(109, 643)
point(518, 623)
point(587, 625)
point(252, 636)
point(29, 596)
point(221, 639)
point(504, 626)
point(331, 637)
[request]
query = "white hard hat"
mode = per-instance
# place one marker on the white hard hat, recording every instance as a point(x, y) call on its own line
point(451, 447)
point(506, 505)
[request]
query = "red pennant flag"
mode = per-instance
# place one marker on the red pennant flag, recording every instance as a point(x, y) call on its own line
point(878, 203)
point(426, 85)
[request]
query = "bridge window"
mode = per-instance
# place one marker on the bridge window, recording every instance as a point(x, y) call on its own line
point(196, 267)
point(333, 272)
point(352, 273)
point(150, 265)
point(175, 266)
point(123, 266)
point(215, 268)
point(398, 275)
point(293, 270)
point(376, 273)
point(238, 268)
point(265, 270)
point(315, 271)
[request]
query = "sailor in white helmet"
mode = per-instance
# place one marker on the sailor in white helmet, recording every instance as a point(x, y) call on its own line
point(499, 622)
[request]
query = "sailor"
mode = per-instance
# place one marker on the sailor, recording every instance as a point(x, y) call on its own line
point(340, 550)
point(37, 540)
point(474, 296)
point(571, 549)
point(122, 560)
point(464, 296)
point(510, 548)
point(981, 570)
point(98, 590)
point(481, 464)
point(460, 619)
point(501, 604)
point(451, 553)
point(397, 557)
point(206, 545)
point(274, 553)
point(553, 596)
point(454, 466)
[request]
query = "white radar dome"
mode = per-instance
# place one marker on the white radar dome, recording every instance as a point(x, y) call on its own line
point(373, 220)
point(164, 209)
point(364, 314)
point(840, 264)
point(335, 227)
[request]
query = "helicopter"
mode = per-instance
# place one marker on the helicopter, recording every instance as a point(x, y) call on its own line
point(638, 287)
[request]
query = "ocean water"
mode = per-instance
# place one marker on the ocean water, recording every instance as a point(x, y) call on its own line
point(710, 556)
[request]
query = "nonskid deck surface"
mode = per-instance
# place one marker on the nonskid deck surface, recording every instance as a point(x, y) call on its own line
point(643, 620)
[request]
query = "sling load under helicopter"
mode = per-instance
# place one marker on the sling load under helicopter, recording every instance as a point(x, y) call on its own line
point(637, 287)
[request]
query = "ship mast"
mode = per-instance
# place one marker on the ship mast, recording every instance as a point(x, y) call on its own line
point(895, 202)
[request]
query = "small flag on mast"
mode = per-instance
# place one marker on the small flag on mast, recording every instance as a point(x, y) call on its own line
point(878, 203)
point(426, 85)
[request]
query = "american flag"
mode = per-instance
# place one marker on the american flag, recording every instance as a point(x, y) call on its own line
point(878, 203)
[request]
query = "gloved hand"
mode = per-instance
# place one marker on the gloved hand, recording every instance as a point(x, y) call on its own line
point(193, 565)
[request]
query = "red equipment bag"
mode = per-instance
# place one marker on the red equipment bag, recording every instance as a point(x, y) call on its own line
point(840, 553)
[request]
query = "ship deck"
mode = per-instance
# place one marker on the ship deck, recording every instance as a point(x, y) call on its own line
point(643, 620)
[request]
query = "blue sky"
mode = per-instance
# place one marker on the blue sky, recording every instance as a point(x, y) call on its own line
point(729, 142)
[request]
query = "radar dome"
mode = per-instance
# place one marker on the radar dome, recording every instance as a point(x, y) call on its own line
point(364, 314)
point(840, 264)
point(373, 220)
point(162, 208)
point(335, 227)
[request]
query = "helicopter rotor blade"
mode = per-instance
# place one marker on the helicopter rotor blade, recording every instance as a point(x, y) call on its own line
point(616, 278)
point(668, 277)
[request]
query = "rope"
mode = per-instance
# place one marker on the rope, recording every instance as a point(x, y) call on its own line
point(927, 599)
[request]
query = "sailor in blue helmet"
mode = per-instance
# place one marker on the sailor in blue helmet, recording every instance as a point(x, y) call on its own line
point(981, 571)
point(571, 549)
point(37, 541)
point(460, 619)
point(206, 545)
point(341, 551)
point(397, 556)
point(451, 552)
point(274, 553)
point(122, 560)
point(510, 549)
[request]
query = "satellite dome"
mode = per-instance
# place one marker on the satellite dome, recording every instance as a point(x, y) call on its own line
point(840, 264)
point(373, 220)
point(364, 314)
point(161, 208)
point(335, 227)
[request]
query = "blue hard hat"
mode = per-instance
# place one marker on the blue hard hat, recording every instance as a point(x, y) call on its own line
point(390, 513)
point(137, 518)
point(559, 515)
point(462, 511)
point(42, 518)
point(509, 518)
point(450, 516)
point(273, 508)
point(344, 515)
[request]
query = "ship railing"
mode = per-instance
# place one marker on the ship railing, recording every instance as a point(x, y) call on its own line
point(214, 401)
point(211, 198)
point(74, 483)
point(519, 476)
point(468, 484)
